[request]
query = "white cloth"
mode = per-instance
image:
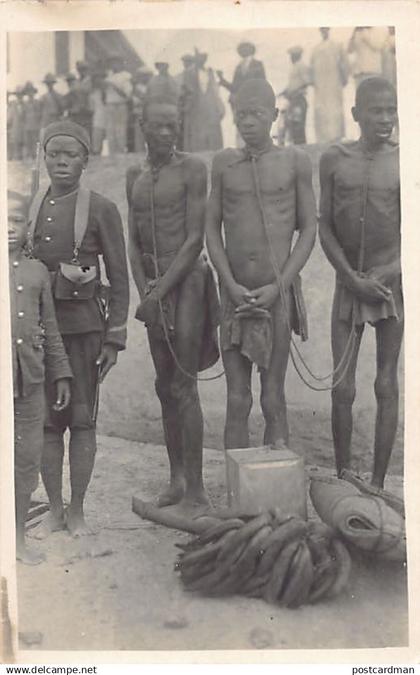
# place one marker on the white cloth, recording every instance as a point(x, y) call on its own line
point(123, 81)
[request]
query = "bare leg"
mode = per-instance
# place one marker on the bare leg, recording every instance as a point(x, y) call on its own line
point(273, 401)
point(164, 366)
point(344, 391)
point(82, 452)
point(238, 370)
point(25, 555)
point(389, 335)
point(189, 334)
point(52, 477)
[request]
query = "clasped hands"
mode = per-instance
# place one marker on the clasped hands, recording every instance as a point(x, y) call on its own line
point(371, 286)
point(255, 303)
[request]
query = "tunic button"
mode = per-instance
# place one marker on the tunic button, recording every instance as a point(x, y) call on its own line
point(21, 314)
point(19, 288)
point(49, 219)
point(47, 238)
point(52, 202)
point(19, 341)
point(17, 413)
point(18, 438)
point(75, 293)
point(15, 263)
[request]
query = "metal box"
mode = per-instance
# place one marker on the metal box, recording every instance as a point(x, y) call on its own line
point(260, 478)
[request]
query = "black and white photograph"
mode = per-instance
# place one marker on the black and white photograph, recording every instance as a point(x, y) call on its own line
point(206, 338)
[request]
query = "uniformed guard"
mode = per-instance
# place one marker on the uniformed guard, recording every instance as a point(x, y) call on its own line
point(71, 228)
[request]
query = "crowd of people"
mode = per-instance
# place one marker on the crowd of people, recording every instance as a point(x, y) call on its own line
point(67, 328)
point(107, 100)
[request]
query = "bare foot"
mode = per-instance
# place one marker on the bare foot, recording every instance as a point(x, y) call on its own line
point(76, 524)
point(51, 523)
point(27, 556)
point(195, 503)
point(173, 495)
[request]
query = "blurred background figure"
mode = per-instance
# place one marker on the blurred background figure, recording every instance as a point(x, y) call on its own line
point(83, 88)
point(118, 90)
point(182, 81)
point(140, 80)
point(32, 120)
point(52, 103)
point(16, 125)
point(365, 45)
point(162, 84)
point(203, 108)
point(97, 106)
point(249, 68)
point(329, 74)
point(294, 116)
point(389, 61)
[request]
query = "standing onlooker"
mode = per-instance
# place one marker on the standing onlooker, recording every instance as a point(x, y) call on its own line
point(204, 109)
point(97, 105)
point(84, 88)
point(16, 115)
point(118, 89)
point(141, 79)
point(329, 71)
point(249, 68)
point(52, 103)
point(366, 44)
point(163, 84)
point(389, 62)
point(182, 79)
point(32, 120)
point(295, 93)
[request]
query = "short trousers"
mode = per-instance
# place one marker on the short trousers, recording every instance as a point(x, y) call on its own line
point(83, 350)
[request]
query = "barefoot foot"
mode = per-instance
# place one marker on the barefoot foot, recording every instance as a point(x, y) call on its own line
point(76, 524)
point(195, 502)
point(53, 522)
point(28, 556)
point(172, 495)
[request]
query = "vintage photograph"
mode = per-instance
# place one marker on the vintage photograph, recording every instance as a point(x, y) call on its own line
point(207, 331)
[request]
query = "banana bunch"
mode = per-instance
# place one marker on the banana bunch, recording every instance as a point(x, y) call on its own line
point(283, 559)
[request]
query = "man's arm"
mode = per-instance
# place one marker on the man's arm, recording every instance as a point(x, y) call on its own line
point(134, 247)
point(368, 289)
point(57, 365)
point(239, 294)
point(265, 296)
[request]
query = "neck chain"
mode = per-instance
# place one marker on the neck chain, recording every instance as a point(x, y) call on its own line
point(156, 168)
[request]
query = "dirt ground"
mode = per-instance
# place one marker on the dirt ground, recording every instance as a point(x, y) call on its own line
point(117, 589)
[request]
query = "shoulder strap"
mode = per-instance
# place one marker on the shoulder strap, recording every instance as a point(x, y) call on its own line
point(81, 217)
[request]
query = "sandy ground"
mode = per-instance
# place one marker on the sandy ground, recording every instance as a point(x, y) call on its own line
point(117, 589)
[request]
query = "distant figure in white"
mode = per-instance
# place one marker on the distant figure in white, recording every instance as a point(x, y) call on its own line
point(329, 72)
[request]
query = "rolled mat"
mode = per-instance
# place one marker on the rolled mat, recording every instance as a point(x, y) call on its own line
point(363, 520)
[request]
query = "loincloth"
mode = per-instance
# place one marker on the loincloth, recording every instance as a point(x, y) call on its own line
point(365, 312)
point(209, 351)
point(253, 336)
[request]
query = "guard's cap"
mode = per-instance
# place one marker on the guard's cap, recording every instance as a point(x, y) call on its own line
point(70, 77)
point(29, 88)
point(66, 128)
point(49, 79)
point(295, 51)
point(246, 47)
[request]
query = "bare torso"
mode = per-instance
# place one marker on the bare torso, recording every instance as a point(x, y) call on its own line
point(370, 188)
point(246, 240)
point(169, 208)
